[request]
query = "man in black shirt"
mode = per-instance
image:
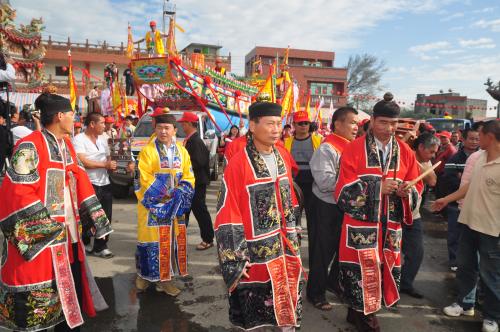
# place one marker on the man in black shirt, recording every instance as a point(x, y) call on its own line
point(450, 182)
point(200, 159)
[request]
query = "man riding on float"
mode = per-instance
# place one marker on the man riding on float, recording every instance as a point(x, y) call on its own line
point(154, 43)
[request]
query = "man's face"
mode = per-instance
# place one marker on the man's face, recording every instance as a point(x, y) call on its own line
point(98, 126)
point(128, 122)
point(302, 128)
point(485, 140)
point(15, 117)
point(454, 138)
point(384, 127)
point(153, 28)
point(472, 141)
point(66, 121)
point(107, 126)
point(187, 127)
point(165, 132)
point(427, 154)
point(267, 130)
point(347, 128)
point(444, 140)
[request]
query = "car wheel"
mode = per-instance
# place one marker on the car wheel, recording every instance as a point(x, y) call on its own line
point(215, 173)
point(120, 191)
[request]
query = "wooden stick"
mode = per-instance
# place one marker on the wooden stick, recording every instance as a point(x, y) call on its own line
point(423, 175)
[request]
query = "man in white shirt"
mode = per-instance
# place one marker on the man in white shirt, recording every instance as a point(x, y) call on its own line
point(92, 149)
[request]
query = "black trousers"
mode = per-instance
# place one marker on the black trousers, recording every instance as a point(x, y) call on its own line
point(105, 197)
point(324, 241)
point(413, 253)
point(200, 211)
point(76, 271)
point(129, 88)
point(306, 188)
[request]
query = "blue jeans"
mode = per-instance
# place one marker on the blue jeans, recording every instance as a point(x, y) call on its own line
point(472, 242)
point(453, 233)
point(413, 253)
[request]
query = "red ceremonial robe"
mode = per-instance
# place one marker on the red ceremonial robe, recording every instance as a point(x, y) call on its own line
point(256, 222)
point(370, 257)
point(37, 289)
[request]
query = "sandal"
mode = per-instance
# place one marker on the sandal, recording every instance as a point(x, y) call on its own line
point(323, 305)
point(204, 246)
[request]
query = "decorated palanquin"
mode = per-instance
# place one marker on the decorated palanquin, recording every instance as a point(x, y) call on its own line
point(164, 189)
point(24, 46)
point(256, 223)
point(370, 244)
point(37, 290)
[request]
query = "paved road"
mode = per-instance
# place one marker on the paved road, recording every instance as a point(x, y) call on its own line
point(202, 306)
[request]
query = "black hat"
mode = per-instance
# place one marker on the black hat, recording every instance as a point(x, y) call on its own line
point(264, 108)
point(386, 107)
point(166, 118)
point(49, 103)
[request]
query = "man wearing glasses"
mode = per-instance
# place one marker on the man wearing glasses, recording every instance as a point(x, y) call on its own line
point(302, 145)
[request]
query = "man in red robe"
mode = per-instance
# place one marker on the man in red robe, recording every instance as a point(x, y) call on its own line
point(372, 191)
point(255, 229)
point(46, 197)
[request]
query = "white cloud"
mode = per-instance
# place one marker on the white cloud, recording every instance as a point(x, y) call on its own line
point(452, 17)
point(451, 51)
point(421, 51)
point(430, 47)
point(484, 10)
point(494, 25)
point(477, 43)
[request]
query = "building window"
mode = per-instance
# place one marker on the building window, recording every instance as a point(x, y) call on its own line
point(321, 89)
point(61, 71)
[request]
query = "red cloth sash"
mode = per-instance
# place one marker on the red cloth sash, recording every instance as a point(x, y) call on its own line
point(164, 248)
point(66, 286)
point(370, 271)
point(284, 310)
point(181, 250)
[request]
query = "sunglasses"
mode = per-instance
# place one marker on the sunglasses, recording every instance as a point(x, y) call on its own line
point(303, 123)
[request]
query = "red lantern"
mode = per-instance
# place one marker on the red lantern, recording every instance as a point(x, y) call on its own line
point(237, 93)
point(64, 68)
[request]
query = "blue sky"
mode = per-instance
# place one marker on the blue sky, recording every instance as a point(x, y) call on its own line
point(427, 45)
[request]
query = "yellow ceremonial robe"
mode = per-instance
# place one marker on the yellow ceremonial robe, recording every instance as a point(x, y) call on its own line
point(161, 247)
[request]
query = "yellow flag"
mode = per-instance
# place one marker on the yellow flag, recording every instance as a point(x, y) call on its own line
point(130, 44)
point(267, 92)
point(308, 106)
point(116, 97)
point(72, 87)
point(287, 101)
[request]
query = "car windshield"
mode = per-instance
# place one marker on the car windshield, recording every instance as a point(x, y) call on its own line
point(145, 128)
point(448, 125)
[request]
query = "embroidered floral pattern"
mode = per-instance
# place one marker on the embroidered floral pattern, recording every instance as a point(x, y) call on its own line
point(233, 251)
point(24, 164)
point(31, 230)
point(93, 217)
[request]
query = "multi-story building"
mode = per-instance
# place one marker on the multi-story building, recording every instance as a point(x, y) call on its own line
point(452, 103)
point(211, 53)
point(314, 71)
point(88, 57)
